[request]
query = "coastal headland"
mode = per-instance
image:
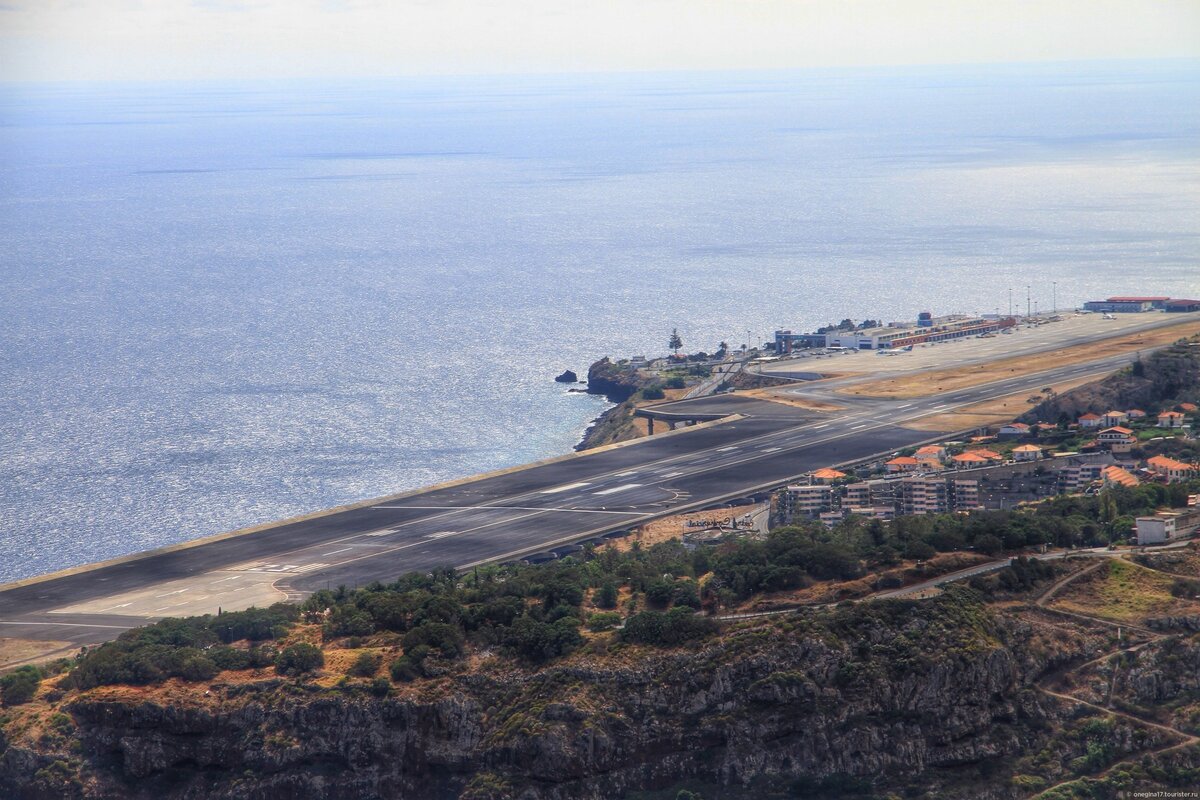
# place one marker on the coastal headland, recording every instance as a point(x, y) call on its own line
point(725, 447)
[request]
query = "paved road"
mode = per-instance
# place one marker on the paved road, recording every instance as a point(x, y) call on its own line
point(491, 518)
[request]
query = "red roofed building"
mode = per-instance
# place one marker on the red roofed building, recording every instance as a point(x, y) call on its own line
point(1114, 475)
point(826, 475)
point(1170, 469)
point(1188, 408)
point(1089, 420)
point(1170, 419)
point(1117, 439)
point(1115, 417)
point(902, 464)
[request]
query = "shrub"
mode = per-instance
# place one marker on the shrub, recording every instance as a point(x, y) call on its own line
point(448, 639)
point(255, 624)
point(989, 544)
point(676, 382)
point(603, 621)
point(366, 665)
point(299, 659)
point(659, 593)
point(540, 641)
point(229, 658)
point(653, 393)
point(380, 687)
point(20, 685)
point(405, 669)
point(606, 596)
point(347, 620)
point(673, 627)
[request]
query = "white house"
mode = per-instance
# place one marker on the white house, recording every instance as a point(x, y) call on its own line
point(1170, 419)
point(1027, 452)
point(1090, 420)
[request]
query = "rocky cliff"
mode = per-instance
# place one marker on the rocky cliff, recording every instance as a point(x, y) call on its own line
point(616, 382)
point(885, 695)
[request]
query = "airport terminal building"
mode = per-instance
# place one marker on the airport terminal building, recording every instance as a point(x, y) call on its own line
point(897, 334)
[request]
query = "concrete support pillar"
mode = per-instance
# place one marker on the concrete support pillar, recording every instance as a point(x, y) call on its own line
point(650, 425)
point(670, 425)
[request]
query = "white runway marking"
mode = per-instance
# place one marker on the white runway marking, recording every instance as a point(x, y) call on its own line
point(616, 489)
point(726, 449)
point(771, 449)
point(168, 594)
point(566, 488)
point(672, 474)
point(440, 534)
point(335, 552)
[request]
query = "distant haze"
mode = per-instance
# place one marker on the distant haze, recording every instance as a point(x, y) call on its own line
point(84, 40)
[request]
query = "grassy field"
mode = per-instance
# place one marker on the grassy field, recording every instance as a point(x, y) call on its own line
point(1124, 592)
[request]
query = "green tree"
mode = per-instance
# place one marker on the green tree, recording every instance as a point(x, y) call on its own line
point(20, 685)
point(606, 596)
point(299, 659)
point(675, 342)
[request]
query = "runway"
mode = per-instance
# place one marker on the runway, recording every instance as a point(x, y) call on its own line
point(497, 517)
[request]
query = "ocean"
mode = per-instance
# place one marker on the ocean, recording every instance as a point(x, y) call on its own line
point(222, 305)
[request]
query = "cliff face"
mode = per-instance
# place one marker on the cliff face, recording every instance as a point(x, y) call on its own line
point(615, 382)
point(763, 707)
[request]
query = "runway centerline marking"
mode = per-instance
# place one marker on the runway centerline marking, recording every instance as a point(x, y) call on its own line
point(566, 488)
point(616, 489)
point(513, 508)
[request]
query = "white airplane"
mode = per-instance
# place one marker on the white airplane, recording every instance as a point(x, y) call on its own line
point(1109, 316)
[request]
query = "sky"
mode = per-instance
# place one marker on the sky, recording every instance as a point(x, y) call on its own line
point(104, 40)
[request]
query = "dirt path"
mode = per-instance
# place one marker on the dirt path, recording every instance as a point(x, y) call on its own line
point(1188, 739)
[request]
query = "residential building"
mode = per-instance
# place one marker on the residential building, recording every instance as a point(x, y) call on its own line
point(1113, 475)
point(1188, 408)
point(1170, 419)
point(810, 501)
point(968, 460)
point(1027, 452)
point(868, 494)
point(1013, 430)
point(931, 451)
point(924, 495)
point(902, 464)
point(1090, 420)
point(1170, 468)
point(1074, 478)
point(1167, 525)
point(1115, 418)
point(1117, 439)
point(990, 455)
point(1136, 413)
point(1157, 529)
point(965, 495)
point(826, 475)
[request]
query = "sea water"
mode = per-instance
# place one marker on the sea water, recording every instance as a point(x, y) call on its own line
point(222, 305)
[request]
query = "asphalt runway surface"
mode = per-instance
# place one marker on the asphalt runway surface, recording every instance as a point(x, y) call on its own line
point(494, 518)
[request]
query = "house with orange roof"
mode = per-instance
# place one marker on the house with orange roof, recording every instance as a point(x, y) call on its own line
point(935, 451)
point(826, 475)
point(1188, 408)
point(1170, 419)
point(1089, 420)
point(1026, 452)
point(902, 464)
point(1136, 413)
point(1113, 475)
point(1170, 468)
point(1117, 439)
point(990, 455)
point(969, 459)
